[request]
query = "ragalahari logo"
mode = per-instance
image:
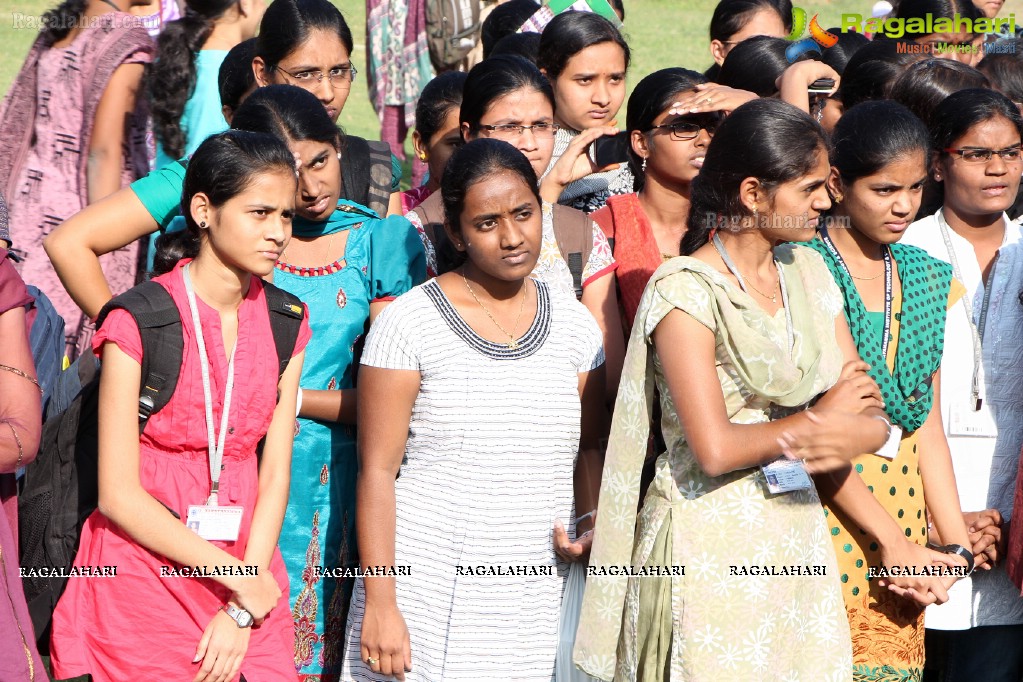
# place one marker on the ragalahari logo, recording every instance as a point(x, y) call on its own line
point(817, 39)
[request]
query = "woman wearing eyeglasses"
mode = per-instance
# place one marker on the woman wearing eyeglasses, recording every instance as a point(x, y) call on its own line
point(976, 135)
point(668, 146)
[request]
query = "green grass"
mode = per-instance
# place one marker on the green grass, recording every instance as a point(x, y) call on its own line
point(661, 33)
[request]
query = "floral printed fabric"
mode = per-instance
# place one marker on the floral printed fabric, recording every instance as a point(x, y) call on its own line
point(718, 620)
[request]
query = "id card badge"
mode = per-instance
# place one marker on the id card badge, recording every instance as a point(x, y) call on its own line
point(963, 420)
point(785, 476)
point(215, 523)
point(891, 447)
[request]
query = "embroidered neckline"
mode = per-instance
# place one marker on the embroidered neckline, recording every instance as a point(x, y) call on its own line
point(528, 344)
point(319, 271)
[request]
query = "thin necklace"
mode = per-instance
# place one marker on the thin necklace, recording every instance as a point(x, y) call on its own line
point(773, 297)
point(866, 279)
point(512, 343)
point(330, 243)
point(720, 248)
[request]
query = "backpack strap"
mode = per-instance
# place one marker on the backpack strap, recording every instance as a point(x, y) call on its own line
point(286, 314)
point(379, 180)
point(573, 230)
point(366, 173)
point(431, 214)
point(159, 324)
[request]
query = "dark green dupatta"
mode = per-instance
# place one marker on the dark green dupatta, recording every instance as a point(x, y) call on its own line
point(926, 281)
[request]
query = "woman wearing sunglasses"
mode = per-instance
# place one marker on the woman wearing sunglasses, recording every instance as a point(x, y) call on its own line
point(976, 136)
point(668, 146)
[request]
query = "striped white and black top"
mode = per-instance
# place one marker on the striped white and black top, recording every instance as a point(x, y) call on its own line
point(488, 469)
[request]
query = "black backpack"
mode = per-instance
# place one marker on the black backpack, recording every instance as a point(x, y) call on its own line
point(60, 488)
point(366, 173)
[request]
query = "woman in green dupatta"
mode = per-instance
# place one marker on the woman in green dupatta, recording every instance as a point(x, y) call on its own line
point(896, 297)
point(763, 332)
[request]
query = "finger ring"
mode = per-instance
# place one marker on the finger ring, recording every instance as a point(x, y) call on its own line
point(372, 661)
point(709, 100)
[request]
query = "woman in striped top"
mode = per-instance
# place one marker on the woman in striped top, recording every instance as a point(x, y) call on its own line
point(482, 387)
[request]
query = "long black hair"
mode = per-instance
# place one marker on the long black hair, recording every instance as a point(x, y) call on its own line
point(472, 163)
point(287, 113)
point(873, 68)
point(494, 78)
point(730, 16)
point(288, 23)
point(755, 64)
point(924, 85)
point(652, 95)
point(172, 75)
point(440, 96)
point(570, 33)
point(1005, 69)
point(235, 77)
point(766, 139)
point(221, 168)
point(962, 110)
point(59, 21)
point(504, 21)
point(872, 135)
point(935, 9)
point(838, 55)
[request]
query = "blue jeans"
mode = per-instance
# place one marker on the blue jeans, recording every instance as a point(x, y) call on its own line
point(992, 653)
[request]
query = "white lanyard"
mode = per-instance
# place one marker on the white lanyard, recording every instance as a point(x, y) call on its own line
point(742, 285)
point(976, 330)
point(216, 451)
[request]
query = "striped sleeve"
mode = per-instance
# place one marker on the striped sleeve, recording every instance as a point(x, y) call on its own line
point(392, 343)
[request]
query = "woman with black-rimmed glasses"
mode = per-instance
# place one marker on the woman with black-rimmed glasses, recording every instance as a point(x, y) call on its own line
point(976, 135)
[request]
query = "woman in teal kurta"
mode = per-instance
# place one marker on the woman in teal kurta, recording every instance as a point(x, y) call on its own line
point(382, 259)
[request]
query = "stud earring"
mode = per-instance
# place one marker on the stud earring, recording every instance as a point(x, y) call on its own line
point(202, 225)
point(838, 198)
point(643, 165)
point(422, 157)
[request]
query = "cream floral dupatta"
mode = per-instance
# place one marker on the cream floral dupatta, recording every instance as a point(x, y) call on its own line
point(637, 626)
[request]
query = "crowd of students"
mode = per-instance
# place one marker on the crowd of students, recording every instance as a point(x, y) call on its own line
point(759, 380)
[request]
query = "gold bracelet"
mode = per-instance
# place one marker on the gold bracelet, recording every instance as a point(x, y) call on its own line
point(17, 439)
point(15, 370)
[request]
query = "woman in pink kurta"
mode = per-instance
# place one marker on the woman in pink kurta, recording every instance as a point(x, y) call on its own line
point(48, 150)
point(198, 601)
point(99, 619)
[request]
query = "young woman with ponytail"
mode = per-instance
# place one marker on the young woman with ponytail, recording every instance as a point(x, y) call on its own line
point(156, 620)
point(183, 87)
point(72, 131)
point(762, 327)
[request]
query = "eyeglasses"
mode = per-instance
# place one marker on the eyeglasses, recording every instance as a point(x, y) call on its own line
point(514, 130)
point(688, 130)
point(984, 155)
point(340, 78)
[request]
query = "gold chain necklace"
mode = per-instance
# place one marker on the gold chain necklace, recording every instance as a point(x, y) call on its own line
point(330, 242)
point(512, 343)
point(865, 279)
point(773, 297)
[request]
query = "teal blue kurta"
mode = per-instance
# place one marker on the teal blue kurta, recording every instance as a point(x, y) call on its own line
point(383, 259)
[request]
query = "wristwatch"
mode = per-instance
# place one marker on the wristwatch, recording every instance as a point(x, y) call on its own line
point(240, 616)
point(963, 552)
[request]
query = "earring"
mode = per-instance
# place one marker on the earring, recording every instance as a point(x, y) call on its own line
point(202, 225)
point(422, 156)
point(756, 217)
point(838, 198)
point(643, 165)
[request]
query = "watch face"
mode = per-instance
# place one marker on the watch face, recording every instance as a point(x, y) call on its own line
point(245, 619)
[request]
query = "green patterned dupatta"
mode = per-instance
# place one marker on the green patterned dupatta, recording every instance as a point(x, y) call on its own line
point(908, 394)
point(787, 377)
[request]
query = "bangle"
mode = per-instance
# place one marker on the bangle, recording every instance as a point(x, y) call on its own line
point(15, 370)
point(886, 423)
point(298, 402)
point(17, 439)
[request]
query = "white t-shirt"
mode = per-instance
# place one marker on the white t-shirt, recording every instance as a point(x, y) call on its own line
point(985, 467)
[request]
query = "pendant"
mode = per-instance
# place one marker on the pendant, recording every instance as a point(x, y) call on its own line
point(512, 345)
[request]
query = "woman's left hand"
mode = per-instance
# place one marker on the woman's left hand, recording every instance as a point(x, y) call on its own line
point(571, 551)
point(575, 163)
point(221, 649)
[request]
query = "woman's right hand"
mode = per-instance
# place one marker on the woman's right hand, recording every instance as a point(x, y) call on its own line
point(575, 163)
point(385, 643)
point(854, 391)
point(924, 590)
point(827, 441)
point(258, 594)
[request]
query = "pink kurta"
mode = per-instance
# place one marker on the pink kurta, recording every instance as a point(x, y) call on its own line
point(48, 177)
point(139, 625)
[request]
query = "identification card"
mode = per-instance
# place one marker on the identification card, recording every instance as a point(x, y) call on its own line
point(891, 447)
point(215, 523)
point(963, 420)
point(785, 476)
